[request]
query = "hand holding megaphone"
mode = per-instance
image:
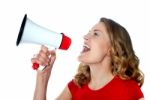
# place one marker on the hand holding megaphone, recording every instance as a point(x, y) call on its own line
point(44, 57)
point(31, 32)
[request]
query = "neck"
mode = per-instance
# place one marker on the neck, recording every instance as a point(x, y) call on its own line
point(100, 74)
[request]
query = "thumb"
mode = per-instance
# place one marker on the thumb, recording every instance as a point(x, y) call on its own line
point(52, 58)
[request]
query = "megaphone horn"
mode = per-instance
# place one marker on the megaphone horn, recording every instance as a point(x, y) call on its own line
point(31, 32)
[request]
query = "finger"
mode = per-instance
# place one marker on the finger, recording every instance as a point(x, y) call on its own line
point(40, 59)
point(52, 52)
point(52, 58)
point(43, 61)
point(43, 54)
point(35, 60)
point(43, 58)
point(44, 48)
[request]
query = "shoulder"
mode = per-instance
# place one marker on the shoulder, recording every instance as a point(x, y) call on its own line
point(130, 87)
point(126, 83)
point(72, 86)
point(131, 84)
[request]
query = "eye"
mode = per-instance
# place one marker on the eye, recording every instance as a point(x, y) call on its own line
point(96, 34)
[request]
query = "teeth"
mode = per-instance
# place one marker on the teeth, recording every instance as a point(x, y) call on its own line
point(86, 46)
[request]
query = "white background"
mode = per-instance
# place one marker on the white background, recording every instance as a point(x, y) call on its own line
point(74, 18)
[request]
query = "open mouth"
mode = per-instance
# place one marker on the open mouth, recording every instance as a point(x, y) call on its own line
point(86, 48)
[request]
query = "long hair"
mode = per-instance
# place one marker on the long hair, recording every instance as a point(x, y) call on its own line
point(124, 62)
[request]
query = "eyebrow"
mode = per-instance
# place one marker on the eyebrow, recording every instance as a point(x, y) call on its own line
point(97, 30)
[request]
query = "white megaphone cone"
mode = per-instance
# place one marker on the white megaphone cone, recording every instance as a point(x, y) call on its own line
point(30, 32)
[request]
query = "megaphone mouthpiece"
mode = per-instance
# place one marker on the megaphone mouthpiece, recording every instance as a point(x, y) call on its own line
point(66, 41)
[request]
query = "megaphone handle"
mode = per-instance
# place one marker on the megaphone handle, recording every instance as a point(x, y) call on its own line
point(35, 66)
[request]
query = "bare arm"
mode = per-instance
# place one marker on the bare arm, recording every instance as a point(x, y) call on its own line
point(141, 99)
point(40, 89)
point(65, 95)
point(42, 78)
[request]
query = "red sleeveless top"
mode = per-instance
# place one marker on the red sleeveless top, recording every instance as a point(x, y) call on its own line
point(116, 89)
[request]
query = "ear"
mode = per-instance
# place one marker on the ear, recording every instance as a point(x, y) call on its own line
point(109, 51)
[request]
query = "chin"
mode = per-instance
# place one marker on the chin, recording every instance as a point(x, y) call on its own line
point(82, 60)
point(79, 59)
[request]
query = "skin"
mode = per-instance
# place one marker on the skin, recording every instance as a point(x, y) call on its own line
point(98, 58)
point(46, 58)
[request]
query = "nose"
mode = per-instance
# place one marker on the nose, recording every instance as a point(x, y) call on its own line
point(86, 37)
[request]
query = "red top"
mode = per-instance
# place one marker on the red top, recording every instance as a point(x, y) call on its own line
point(116, 89)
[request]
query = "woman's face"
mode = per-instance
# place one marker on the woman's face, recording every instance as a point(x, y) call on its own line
point(96, 45)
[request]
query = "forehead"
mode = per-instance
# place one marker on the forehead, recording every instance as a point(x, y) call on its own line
point(99, 26)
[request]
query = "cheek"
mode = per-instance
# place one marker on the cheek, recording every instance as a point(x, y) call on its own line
point(97, 56)
point(99, 52)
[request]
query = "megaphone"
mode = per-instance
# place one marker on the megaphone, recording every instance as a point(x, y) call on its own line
point(31, 32)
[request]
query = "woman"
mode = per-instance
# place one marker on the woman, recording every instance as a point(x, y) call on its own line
point(108, 71)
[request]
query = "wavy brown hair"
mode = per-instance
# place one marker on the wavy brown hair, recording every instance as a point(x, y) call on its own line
point(124, 62)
